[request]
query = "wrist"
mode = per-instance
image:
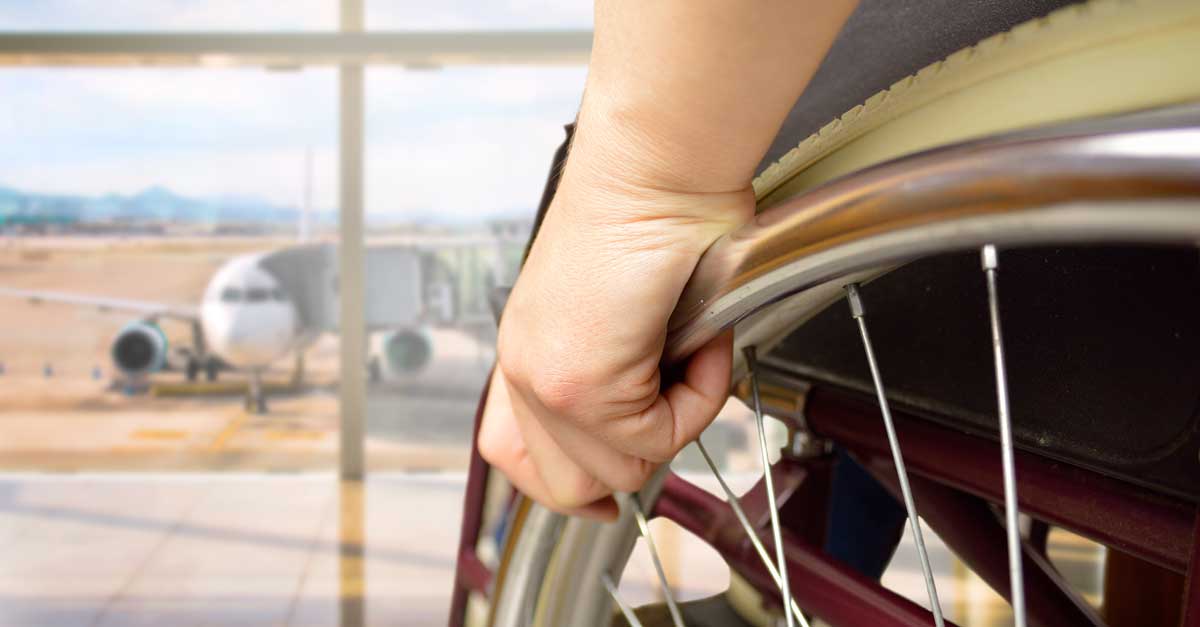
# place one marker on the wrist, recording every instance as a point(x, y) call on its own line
point(631, 140)
point(614, 203)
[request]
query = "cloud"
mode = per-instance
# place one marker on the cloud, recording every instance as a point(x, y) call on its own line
point(462, 169)
point(458, 142)
point(170, 15)
point(455, 143)
point(242, 15)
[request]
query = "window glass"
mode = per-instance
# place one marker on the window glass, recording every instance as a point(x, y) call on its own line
point(167, 15)
point(145, 184)
point(456, 161)
point(479, 15)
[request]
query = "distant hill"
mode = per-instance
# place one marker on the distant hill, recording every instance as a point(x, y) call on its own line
point(153, 204)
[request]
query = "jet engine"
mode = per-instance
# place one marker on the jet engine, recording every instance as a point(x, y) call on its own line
point(406, 352)
point(139, 348)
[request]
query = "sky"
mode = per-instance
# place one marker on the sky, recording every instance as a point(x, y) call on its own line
point(455, 144)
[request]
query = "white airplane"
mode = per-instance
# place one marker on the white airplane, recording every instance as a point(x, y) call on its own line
point(260, 307)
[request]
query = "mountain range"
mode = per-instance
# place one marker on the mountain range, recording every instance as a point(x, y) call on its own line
point(153, 204)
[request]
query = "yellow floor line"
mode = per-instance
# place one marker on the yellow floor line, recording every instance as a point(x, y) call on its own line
point(295, 435)
point(159, 434)
point(226, 434)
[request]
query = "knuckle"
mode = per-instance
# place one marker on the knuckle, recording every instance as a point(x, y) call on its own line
point(552, 386)
point(562, 393)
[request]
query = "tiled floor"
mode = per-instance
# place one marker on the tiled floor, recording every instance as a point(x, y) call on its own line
point(225, 550)
point(301, 549)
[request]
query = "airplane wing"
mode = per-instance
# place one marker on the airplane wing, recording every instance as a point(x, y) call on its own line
point(143, 308)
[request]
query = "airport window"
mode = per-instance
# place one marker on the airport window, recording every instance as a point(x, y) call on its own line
point(144, 183)
point(465, 14)
point(168, 15)
point(451, 156)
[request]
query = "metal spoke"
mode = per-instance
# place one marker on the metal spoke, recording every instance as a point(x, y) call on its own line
point(736, 505)
point(639, 514)
point(627, 611)
point(991, 263)
point(769, 483)
point(859, 314)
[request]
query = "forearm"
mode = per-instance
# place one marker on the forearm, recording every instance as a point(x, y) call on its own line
point(687, 95)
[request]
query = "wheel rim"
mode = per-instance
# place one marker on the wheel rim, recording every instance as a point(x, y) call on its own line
point(1150, 192)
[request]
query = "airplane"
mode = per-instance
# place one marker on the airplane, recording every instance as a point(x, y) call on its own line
point(259, 307)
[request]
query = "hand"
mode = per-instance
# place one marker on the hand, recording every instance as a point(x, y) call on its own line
point(577, 408)
point(682, 100)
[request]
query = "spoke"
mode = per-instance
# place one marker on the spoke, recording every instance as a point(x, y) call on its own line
point(640, 515)
point(769, 483)
point(736, 505)
point(991, 264)
point(627, 611)
point(859, 315)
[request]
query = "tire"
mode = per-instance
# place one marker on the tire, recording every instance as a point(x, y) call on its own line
point(1096, 59)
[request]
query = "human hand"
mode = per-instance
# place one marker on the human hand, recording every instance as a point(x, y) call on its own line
point(682, 100)
point(577, 408)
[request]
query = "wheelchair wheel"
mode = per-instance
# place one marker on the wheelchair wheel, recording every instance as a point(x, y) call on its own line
point(1078, 131)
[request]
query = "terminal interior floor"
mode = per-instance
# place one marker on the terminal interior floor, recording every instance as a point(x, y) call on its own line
point(300, 549)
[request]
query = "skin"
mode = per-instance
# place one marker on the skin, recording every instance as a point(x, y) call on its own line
point(683, 98)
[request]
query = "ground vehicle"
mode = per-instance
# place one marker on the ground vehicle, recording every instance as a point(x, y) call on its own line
point(1064, 164)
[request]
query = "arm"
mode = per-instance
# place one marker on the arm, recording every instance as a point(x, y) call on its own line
point(683, 97)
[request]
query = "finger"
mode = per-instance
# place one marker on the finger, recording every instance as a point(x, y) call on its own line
point(502, 445)
point(617, 471)
point(682, 411)
point(569, 483)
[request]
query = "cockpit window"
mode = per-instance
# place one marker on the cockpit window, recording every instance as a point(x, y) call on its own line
point(231, 295)
point(258, 295)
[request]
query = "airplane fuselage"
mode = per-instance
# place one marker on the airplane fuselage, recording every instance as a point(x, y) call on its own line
point(247, 318)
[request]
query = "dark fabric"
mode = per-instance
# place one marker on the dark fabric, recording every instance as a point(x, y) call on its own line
point(886, 40)
point(556, 168)
point(865, 522)
point(1101, 343)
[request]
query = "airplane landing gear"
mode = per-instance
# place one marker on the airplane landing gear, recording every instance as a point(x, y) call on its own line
point(195, 365)
point(256, 400)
